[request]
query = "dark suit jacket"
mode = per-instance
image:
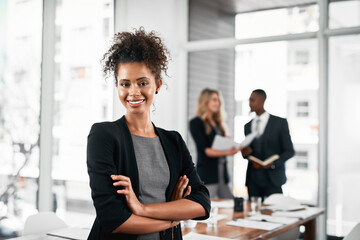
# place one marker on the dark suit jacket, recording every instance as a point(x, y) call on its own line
point(207, 167)
point(275, 140)
point(110, 151)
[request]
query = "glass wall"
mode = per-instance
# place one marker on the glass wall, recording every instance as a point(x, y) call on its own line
point(81, 97)
point(20, 62)
point(344, 140)
point(345, 13)
point(287, 20)
point(289, 76)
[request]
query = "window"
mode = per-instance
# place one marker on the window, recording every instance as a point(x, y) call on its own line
point(302, 109)
point(20, 61)
point(81, 99)
point(284, 101)
point(287, 20)
point(302, 57)
point(301, 160)
point(344, 13)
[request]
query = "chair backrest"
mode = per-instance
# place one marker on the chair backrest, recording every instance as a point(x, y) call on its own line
point(354, 234)
point(280, 199)
point(42, 222)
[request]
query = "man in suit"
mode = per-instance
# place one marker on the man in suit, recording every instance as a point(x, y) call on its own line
point(272, 137)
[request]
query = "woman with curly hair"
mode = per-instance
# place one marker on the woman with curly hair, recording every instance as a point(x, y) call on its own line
point(142, 178)
point(211, 163)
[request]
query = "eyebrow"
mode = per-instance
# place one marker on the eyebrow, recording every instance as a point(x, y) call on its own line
point(138, 79)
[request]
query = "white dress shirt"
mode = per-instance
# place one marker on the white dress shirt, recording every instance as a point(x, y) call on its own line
point(263, 119)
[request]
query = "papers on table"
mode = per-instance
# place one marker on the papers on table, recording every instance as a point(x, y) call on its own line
point(284, 207)
point(71, 233)
point(224, 143)
point(273, 219)
point(302, 214)
point(239, 222)
point(197, 236)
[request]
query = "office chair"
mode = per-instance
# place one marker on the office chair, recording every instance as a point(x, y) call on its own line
point(354, 233)
point(281, 200)
point(42, 222)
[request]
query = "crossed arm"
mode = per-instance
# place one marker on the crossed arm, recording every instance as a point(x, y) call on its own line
point(155, 217)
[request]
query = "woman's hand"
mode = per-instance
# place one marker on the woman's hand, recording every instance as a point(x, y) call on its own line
point(232, 151)
point(179, 190)
point(133, 203)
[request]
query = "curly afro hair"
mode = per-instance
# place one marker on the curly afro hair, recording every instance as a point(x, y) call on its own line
point(139, 46)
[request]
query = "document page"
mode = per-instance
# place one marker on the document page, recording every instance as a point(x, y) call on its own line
point(273, 219)
point(248, 139)
point(224, 143)
point(302, 214)
point(197, 236)
point(70, 233)
point(239, 222)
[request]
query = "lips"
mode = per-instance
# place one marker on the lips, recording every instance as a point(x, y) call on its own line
point(135, 103)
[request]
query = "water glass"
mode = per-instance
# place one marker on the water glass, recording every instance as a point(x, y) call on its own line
point(255, 203)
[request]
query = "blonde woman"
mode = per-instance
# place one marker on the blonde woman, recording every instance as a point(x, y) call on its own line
point(211, 163)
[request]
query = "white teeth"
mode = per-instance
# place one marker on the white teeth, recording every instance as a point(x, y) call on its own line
point(135, 102)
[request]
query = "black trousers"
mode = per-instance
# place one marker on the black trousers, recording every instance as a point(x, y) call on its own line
point(255, 190)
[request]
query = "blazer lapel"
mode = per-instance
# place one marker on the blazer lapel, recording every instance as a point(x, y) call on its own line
point(268, 126)
point(130, 152)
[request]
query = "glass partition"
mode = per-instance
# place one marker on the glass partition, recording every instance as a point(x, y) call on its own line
point(344, 139)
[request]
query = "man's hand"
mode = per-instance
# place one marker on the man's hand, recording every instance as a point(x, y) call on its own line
point(133, 203)
point(180, 190)
point(258, 166)
point(246, 151)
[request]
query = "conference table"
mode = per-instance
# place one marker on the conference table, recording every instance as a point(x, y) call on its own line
point(221, 229)
point(245, 233)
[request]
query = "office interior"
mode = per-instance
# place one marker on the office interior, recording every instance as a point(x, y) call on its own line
point(305, 54)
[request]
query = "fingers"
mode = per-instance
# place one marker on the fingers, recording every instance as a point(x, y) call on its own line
point(188, 191)
point(120, 177)
point(122, 183)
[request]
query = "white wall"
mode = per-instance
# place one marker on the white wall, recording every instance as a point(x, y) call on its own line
point(171, 24)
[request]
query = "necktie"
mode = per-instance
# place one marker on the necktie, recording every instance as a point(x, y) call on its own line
point(257, 128)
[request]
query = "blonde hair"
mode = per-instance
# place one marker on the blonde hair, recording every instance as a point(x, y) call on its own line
point(202, 110)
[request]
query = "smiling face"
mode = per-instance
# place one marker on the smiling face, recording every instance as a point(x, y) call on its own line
point(136, 87)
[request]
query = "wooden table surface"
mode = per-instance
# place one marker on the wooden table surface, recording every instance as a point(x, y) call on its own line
point(243, 233)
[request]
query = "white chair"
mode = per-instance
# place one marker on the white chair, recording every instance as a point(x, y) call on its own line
point(42, 222)
point(281, 200)
point(354, 234)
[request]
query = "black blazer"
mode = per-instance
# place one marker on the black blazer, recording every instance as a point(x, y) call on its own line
point(275, 140)
point(110, 151)
point(207, 167)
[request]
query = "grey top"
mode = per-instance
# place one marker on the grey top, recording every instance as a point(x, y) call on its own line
point(154, 173)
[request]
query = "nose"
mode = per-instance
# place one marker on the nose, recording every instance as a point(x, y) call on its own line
point(134, 90)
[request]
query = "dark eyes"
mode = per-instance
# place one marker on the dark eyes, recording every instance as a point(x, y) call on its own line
point(124, 84)
point(141, 84)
